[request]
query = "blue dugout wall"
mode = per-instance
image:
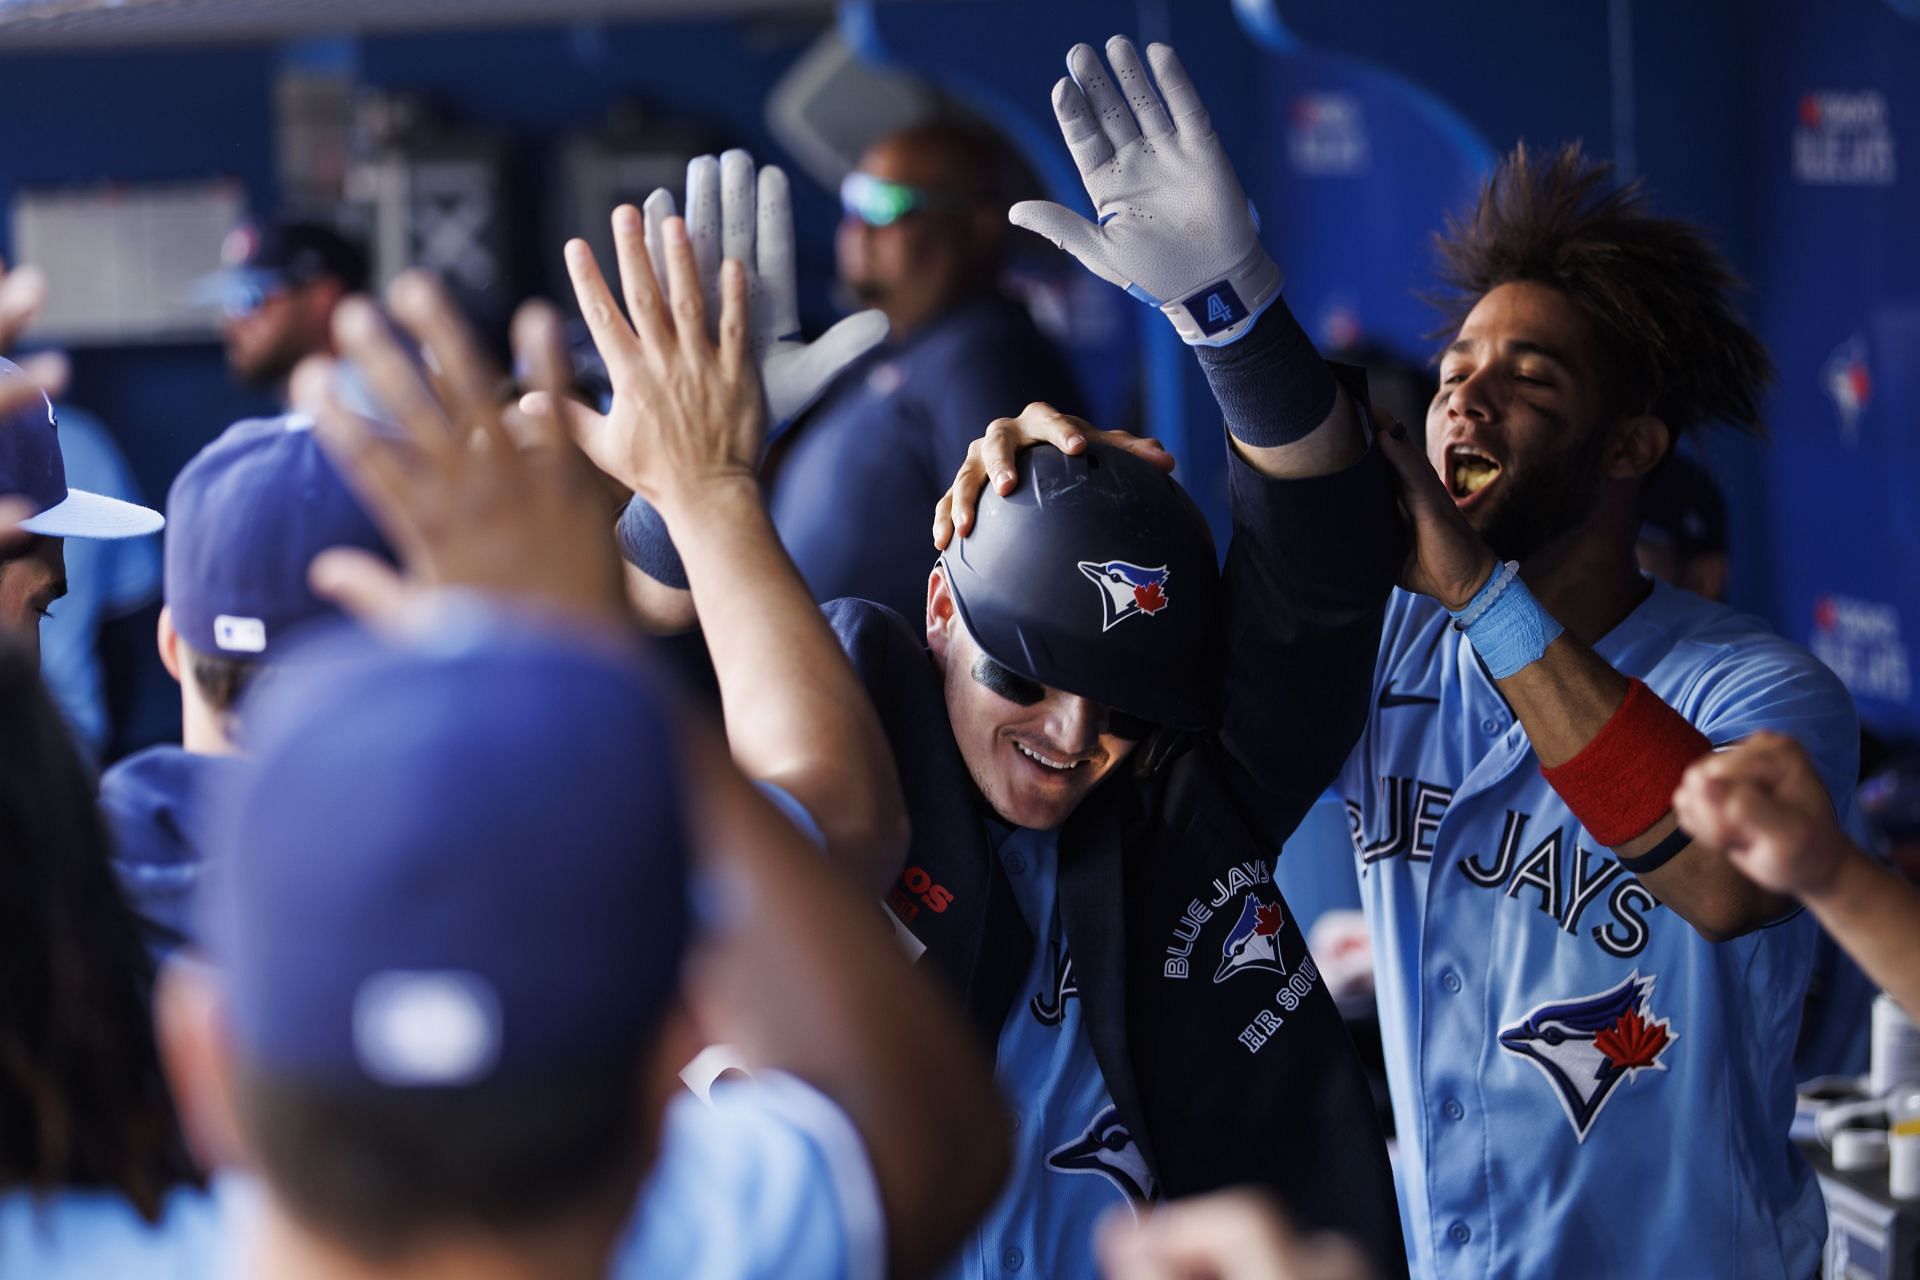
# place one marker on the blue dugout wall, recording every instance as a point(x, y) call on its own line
point(1777, 123)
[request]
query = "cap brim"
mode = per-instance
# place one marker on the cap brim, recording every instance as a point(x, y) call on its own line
point(94, 515)
point(234, 290)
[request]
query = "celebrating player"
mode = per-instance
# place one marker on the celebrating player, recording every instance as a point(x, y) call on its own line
point(1100, 735)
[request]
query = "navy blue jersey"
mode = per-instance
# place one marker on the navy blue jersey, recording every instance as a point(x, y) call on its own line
point(852, 485)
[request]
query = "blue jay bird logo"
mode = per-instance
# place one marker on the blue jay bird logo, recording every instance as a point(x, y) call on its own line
point(1254, 940)
point(1587, 1046)
point(1106, 1148)
point(1126, 590)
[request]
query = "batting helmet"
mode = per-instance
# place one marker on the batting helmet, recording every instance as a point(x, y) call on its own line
point(1097, 576)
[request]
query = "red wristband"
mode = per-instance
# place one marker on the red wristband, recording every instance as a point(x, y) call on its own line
point(1622, 782)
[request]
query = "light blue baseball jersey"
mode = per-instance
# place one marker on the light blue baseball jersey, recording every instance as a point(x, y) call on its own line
point(1582, 1084)
point(1073, 1160)
point(769, 1182)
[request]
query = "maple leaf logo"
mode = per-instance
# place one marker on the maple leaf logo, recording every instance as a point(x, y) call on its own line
point(1150, 598)
point(1266, 919)
point(1632, 1042)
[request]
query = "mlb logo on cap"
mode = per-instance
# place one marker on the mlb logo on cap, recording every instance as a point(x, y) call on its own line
point(31, 467)
point(249, 513)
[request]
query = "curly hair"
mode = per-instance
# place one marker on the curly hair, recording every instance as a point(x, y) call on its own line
point(82, 1099)
point(1657, 294)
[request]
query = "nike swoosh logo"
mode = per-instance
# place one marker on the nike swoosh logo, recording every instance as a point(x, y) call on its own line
point(1388, 698)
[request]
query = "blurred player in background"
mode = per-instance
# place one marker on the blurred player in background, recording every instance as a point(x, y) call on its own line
point(276, 289)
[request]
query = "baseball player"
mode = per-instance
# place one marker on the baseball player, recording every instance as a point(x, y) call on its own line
point(442, 1004)
point(1589, 1019)
point(474, 1070)
point(247, 514)
point(1097, 730)
point(33, 572)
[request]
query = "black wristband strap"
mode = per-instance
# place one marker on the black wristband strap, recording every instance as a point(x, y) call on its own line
point(1272, 386)
point(1658, 856)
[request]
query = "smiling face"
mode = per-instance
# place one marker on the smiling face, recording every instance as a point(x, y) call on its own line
point(1518, 428)
point(1034, 752)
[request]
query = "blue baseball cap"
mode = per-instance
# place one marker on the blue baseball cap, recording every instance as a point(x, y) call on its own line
point(249, 514)
point(257, 262)
point(31, 467)
point(450, 861)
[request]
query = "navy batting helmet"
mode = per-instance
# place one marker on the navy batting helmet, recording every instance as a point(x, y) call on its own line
point(1097, 576)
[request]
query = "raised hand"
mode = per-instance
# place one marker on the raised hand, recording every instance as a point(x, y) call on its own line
point(990, 460)
point(461, 502)
point(732, 212)
point(686, 413)
point(1762, 804)
point(1173, 226)
point(1446, 559)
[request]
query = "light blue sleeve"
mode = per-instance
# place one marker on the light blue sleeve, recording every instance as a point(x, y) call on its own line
point(1767, 683)
point(771, 1180)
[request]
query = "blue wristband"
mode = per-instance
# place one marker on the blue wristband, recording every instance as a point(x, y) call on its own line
point(647, 546)
point(1505, 624)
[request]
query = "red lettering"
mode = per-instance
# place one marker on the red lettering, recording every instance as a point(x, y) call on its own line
point(939, 897)
point(903, 906)
point(916, 880)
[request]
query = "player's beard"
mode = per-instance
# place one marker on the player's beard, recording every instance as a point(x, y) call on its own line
point(1537, 511)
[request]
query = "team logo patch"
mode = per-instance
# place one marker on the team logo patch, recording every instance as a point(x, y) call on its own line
point(1587, 1046)
point(1254, 941)
point(1106, 1148)
point(1126, 590)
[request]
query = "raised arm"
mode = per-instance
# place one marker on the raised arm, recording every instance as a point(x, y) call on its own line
point(1174, 229)
point(1761, 803)
point(684, 433)
point(803, 975)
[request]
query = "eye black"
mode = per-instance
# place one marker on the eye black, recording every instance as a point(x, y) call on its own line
point(1007, 684)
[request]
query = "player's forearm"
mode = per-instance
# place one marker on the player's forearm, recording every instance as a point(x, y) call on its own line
point(1875, 916)
point(1564, 701)
point(803, 975)
point(796, 713)
point(1287, 415)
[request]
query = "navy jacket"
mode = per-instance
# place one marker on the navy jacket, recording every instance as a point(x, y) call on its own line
point(1224, 1072)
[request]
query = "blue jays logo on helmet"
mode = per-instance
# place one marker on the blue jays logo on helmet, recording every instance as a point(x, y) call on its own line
point(1587, 1046)
point(1254, 940)
point(1126, 590)
point(1106, 1148)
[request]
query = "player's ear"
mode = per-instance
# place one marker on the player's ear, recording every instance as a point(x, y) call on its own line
point(940, 612)
point(168, 642)
point(1639, 444)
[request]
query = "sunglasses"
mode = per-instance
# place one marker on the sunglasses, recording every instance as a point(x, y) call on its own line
point(880, 203)
point(1016, 688)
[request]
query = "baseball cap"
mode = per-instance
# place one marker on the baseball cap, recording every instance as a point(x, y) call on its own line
point(249, 513)
point(258, 261)
point(450, 861)
point(31, 467)
point(1681, 506)
point(1097, 576)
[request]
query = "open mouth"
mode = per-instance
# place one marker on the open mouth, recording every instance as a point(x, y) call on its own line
point(1045, 762)
point(1469, 470)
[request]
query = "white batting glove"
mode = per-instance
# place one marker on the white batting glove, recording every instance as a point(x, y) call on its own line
point(1175, 229)
point(731, 215)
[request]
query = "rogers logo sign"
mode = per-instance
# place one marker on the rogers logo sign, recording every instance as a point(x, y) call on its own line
point(1844, 139)
point(1861, 641)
